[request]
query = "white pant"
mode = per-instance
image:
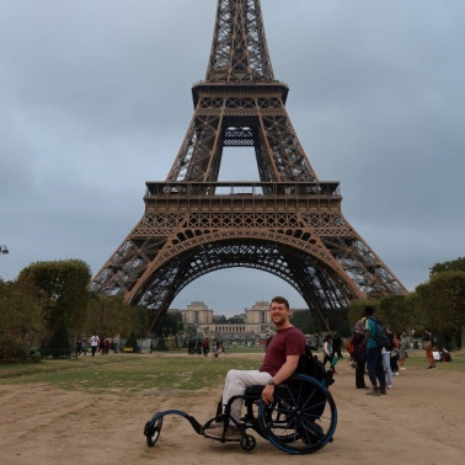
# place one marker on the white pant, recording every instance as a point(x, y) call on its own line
point(236, 383)
point(387, 367)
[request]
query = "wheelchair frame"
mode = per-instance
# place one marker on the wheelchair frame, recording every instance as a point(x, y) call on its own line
point(301, 420)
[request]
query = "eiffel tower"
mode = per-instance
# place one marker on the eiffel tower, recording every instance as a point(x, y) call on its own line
point(289, 223)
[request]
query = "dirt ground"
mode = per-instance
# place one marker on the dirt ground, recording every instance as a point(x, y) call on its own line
point(420, 421)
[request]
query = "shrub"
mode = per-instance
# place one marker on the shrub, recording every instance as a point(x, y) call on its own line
point(59, 345)
point(13, 350)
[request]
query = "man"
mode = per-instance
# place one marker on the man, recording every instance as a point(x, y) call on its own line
point(281, 360)
point(375, 365)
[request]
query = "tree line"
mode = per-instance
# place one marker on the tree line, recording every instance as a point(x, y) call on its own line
point(438, 304)
point(49, 306)
point(50, 302)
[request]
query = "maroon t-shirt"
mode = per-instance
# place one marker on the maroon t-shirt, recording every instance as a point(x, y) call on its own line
point(289, 341)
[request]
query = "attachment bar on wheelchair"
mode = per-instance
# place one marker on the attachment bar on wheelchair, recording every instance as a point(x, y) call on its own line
point(198, 428)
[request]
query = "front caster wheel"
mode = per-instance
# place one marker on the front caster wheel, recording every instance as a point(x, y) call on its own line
point(248, 443)
point(152, 432)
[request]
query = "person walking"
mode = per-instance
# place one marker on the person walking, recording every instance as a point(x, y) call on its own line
point(374, 357)
point(94, 344)
point(386, 354)
point(280, 362)
point(359, 354)
point(427, 340)
point(78, 348)
point(206, 347)
point(395, 354)
point(337, 347)
point(328, 349)
point(403, 354)
point(215, 348)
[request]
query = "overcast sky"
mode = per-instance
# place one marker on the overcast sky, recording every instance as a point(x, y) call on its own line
point(95, 99)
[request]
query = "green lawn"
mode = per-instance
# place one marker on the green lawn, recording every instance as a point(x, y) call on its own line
point(124, 371)
point(162, 371)
point(417, 359)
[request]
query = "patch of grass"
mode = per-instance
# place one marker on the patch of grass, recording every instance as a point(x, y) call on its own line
point(125, 372)
point(417, 359)
point(246, 350)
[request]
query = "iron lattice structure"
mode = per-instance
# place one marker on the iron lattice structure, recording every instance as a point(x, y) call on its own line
point(288, 223)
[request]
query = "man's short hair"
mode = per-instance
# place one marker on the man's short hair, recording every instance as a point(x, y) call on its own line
point(369, 310)
point(281, 300)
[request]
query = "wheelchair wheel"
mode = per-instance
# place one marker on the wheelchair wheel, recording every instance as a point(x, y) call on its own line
point(303, 417)
point(248, 443)
point(152, 431)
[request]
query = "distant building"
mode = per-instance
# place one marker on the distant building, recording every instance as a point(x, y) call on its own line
point(197, 313)
point(256, 321)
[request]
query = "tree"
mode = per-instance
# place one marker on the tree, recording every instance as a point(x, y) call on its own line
point(303, 319)
point(171, 323)
point(20, 310)
point(111, 316)
point(21, 320)
point(63, 284)
point(443, 299)
point(59, 343)
point(399, 313)
point(453, 265)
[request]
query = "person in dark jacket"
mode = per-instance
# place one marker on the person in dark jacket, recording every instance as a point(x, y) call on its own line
point(359, 355)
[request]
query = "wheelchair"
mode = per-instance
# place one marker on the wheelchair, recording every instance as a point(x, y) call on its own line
point(301, 419)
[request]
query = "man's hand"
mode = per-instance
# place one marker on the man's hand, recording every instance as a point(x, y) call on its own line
point(267, 394)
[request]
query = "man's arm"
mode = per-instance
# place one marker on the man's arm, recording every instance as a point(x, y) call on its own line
point(365, 339)
point(286, 371)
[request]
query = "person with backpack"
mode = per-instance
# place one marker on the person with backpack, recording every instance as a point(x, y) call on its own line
point(374, 341)
point(359, 354)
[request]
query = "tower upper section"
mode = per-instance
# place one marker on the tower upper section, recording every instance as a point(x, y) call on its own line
point(239, 50)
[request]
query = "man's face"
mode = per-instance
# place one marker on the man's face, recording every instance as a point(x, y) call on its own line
point(279, 313)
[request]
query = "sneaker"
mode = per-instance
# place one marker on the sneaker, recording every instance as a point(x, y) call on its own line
point(396, 373)
point(389, 386)
point(403, 368)
point(383, 392)
point(374, 392)
point(216, 432)
point(430, 368)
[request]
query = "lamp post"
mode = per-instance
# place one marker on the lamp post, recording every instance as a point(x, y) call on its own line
point(3, 251)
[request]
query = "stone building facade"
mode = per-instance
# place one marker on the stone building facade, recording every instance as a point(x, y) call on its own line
point(256, 322)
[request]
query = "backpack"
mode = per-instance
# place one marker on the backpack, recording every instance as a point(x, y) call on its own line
point(380, 335)
point(310, 365)
point(350, 346)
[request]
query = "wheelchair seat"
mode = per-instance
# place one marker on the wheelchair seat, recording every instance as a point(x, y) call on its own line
point(254, 391)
